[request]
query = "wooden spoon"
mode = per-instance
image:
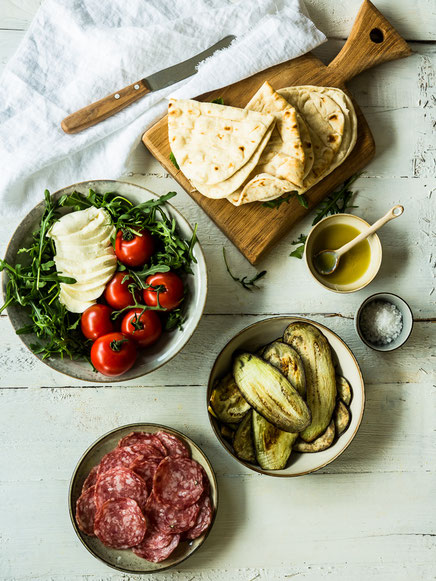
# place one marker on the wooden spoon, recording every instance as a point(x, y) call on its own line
point(327, 261)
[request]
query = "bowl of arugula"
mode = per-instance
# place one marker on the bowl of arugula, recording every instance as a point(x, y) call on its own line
point(35, 284)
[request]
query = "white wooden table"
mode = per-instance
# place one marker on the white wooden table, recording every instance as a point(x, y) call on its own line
point(370, 514)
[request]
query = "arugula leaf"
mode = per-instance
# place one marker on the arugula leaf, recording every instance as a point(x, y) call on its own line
point(174, 160)
point(219, 101)
point(336, 203)
point(298, 252)
point(302, 200)
point(245, 282)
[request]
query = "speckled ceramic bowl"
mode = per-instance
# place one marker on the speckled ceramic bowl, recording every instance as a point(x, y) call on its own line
point(260, 334)
point(170, 343)
point(127, 561)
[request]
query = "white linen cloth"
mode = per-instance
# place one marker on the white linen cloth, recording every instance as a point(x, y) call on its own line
point(77, 51)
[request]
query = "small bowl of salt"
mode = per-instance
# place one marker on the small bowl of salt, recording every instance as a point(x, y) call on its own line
point(384, 321)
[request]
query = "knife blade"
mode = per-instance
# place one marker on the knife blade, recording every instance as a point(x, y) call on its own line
point(108, 106)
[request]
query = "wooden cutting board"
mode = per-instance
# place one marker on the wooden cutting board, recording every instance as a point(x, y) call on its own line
point(254, 228)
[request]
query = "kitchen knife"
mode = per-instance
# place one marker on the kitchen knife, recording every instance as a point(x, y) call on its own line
point(100, 110)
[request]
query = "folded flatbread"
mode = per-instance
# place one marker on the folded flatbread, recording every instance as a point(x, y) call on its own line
point(211, 142)
point(332, 125)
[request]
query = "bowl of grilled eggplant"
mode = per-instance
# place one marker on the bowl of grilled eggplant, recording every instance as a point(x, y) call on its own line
point(285, 396)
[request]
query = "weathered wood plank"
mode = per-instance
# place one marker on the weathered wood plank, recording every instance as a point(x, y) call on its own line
point(357, 519)
point(410, 364)
point(415, 20)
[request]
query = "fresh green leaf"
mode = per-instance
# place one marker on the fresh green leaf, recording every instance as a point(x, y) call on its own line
point(174, 160)
point(219, 101)
point(336, 203)
point(302, 200)
point(246, 283)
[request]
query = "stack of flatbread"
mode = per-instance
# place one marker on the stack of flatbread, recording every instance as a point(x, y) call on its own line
point(281, 142)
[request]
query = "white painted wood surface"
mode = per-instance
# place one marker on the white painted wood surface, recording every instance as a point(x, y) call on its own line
point(370, 514)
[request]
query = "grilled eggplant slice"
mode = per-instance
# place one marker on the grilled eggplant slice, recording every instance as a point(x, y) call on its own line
point(287, 360)
point(227, 401)
point(227, 432)
point(341, 417)
point(315, 352)
point(273, 446)
point(344, 389)
point(243, 440)
point(321, 443)
point(270, 393)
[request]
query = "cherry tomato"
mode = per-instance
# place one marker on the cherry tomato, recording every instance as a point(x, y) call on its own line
point(96, 321)
point(134, 250)
point(145, 329)
point(117, 292)
point(170, 296)
point(113, 354)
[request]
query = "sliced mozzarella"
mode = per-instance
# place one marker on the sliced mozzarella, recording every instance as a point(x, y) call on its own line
point(75, 221)
point(74, 305)
point(87, 277)
point(83, 266)
point(84, 252)
point(91, 294)
point(87, 238)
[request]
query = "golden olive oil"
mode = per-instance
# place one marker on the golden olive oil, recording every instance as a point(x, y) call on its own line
point(354, 263)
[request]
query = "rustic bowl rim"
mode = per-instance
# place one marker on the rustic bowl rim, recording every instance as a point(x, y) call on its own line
point(378, 258)
point(143, 425)
point(258, 469)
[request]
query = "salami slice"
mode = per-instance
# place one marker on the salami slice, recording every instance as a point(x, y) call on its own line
point(91, 479)
point(120, 523)
point(206, 481)
point(168, 519)
point(173, 445)
point(119, 458)
point(141, 438)
point(146, 468)
point(154, 539)
point(85, 511)
point(178, 482)
point(120, 483)
point(203, 521)
point(157, 555)
point(176, 520)
point(148, 450)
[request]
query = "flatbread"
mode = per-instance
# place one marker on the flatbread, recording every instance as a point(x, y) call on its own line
point(283, 157)
point(225, 188)
point(332, 124)
point(211, 142)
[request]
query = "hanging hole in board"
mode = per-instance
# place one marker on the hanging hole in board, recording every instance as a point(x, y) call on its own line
point(376, 35)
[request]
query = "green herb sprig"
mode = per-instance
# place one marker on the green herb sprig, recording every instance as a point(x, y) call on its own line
point(246, 283)
point(336, 203)
point(302, 200)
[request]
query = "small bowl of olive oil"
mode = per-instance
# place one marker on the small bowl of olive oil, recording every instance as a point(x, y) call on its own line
point(358, 267)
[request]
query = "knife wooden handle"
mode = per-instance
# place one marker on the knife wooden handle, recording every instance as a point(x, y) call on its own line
point(100, 110)
point(372, 41)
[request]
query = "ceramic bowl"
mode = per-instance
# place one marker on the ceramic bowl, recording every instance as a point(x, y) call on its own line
point(263, 332)
point(170, 343)
point(374, 243)
point(405, 311)
point(127, 561)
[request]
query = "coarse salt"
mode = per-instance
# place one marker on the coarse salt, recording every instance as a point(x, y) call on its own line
point(381, 322)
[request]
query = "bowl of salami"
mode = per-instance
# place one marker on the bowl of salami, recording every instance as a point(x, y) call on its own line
point(143, 498)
